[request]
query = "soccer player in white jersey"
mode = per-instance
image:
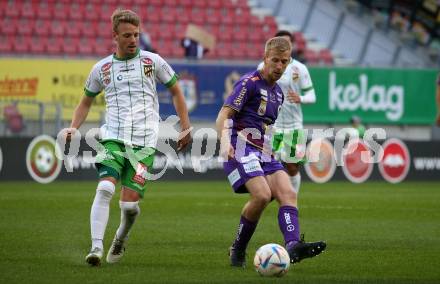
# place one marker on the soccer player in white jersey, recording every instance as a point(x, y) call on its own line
point(289, 141)
point(128, 78)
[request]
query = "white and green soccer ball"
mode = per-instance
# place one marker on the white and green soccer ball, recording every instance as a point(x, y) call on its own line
point(44, 159)
point(272, 260)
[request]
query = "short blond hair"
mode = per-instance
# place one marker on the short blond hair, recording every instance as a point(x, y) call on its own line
point(278, 43)
point(124, 16)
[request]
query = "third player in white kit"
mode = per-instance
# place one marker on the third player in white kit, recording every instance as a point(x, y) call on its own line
point(289, 141)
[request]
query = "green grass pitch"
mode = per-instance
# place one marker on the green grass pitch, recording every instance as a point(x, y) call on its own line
point(376, 233)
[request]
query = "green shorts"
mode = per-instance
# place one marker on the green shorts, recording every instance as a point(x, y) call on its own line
point(131, 165)
point(290, 146)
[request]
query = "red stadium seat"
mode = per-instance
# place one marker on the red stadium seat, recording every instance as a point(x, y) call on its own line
point(38, 44)
point(326, 56)
point(8, 26)
point(201, 4)
point(57, 28)
point(168, 15)
point(44, 11)
point(185, 3)
point(216, 4)
point(198, 16)
point(86, 46)
point(311, 56)
point(28, 10)
point(91, 12)
point(42, 27)
point(13, 9)
point(88, 29)
point(5, 44)
point(60, 11)
point(76, 12)
point(213, 16)
point(54, 47)
point(25, 27)
point(70, 46)
point(74, 28)
point(21, 44)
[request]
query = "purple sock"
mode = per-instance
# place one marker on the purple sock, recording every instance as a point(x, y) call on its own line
point(289, 225)
point(244, 233)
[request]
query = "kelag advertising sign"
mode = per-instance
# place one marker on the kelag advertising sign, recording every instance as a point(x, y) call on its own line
point(385, 96)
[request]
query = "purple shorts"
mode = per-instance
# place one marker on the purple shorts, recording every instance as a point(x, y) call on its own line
point(251, 164)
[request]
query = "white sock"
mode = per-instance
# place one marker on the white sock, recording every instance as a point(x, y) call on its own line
point(100, 211)
point(296, 182)
point(129, 212)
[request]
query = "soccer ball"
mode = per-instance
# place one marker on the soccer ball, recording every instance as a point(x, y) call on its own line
point(44, 159)
point(272, 260)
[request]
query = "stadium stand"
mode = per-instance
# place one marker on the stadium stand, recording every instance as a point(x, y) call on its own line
point(80, 28)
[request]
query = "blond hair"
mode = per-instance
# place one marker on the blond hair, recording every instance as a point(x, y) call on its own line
point(278, 43)
point(124, 16)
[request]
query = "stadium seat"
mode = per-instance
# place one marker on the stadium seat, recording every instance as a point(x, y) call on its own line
point(57, 28)
point(55, 46)
point(91, 12)
point(28, 10)
point(86, 46)
point(74, 28)
point(60, 11)
point(25, 26)
point(42, 27)
point(13, 9)
point(325, 56)
point(21, 44)
point(5, 44)
point(213, 16)
point(70, 46)
point(88, 28)
point(311, 56)
point(9, 26)
point(168, 15)
point(44, 11)
point(76, 12)
point(38, 44)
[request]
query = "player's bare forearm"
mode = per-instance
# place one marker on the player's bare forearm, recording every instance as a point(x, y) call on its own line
point(224, 114)
point(180, 106)
point(182, 111)
point(81, 112)
point(226, 150)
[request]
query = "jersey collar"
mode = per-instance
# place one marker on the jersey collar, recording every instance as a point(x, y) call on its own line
point(126, 58)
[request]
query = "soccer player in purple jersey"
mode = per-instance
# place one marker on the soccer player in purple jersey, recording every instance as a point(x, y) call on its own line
point(243, 124)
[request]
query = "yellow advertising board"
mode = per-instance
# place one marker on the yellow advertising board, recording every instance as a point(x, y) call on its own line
point(48, 81)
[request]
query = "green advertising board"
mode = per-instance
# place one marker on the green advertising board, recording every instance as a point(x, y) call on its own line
point(383, 96)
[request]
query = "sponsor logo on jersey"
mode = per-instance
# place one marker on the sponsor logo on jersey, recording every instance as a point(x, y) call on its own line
point(41, 161)
point(148, 70)
point(255, 78)
point(355, 169)
point(147, 61)
point(106, 67)
point(234, 176)
point(295, 74)
point(323, 166)
point(395, 164)
point(252, 166)
point(239, 99)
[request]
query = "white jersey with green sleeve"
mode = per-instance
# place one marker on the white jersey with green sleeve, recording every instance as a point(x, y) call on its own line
point(129, 85)
point(296, 78)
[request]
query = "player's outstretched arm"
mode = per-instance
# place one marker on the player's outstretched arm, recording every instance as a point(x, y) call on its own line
point(80, 114)
point(182, 112)
point(222, 126)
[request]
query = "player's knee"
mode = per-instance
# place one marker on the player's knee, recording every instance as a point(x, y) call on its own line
point(263, 198)
point(131, 208)
point(106, 187)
